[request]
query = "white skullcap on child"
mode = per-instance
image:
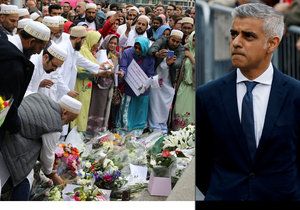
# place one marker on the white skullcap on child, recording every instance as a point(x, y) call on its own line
point(177, 33)
point(70, 104)
point(57, 51)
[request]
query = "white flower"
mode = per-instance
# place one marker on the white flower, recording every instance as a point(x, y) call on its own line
point(87, 164)
point(152, 162)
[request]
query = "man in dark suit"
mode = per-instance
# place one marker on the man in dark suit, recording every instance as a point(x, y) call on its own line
point(248, 121)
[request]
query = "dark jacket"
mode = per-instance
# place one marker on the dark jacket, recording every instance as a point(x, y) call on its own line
point(226, 170)
point(99, 22)
point(162, 43)
point(15, 74)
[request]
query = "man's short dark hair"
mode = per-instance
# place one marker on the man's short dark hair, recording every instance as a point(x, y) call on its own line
point(172, 5)
point(53, 6)
point(158, 19)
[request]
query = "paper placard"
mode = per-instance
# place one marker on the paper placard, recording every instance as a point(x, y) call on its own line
point(139, 173)
point(136, 78)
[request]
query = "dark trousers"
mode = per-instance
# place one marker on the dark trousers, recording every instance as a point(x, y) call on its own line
point(21, 192)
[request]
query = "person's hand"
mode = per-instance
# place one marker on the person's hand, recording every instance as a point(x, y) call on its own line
point(171, 60)
point(57, 180)
point(160, 82)
point(73, 93)
point(106, 65)
point(298, 44)
point(120, 73)
point(161, 53)
point(188, 54)
point(46, 83)
point(281, 7)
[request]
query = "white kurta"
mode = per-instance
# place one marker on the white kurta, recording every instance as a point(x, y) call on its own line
point(62, 39)
point(125, 41)
point(161, 99)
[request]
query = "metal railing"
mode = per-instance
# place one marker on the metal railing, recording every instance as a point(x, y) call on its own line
point(212, 44)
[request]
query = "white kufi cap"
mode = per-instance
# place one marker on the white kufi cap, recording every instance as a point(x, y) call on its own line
point(178, 33)
point(23, 22)
point(38, 30)
point(34, 16)
point(110, 13)
point(78, 31)
point(51, 21)
point(90, 6)
point(22, 12)
point(134, 8)
point(187, 20)
point(70, 104)
point(57, 51)
point(9, 9)
point(145, 17)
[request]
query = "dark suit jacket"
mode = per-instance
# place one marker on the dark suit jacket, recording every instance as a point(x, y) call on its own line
point(225, 170)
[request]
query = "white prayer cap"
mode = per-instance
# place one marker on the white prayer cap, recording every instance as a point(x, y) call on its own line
point(145, 17)
point(61, 20)
point(187, 20)
point(8, 9)
point(177, 33)
point(90, 6)
point(57, 51)
point(51, 21)
point(110, 13)
point(134, 8)
point(70, 104)
point(34, 16)
point(22, 12)
point(78, 31)
point(23, 22)
point(38, 30)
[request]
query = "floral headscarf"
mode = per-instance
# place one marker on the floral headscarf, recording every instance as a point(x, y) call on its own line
point(104, 44)
point(144, 42)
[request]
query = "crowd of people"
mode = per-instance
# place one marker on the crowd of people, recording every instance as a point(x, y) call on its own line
point(61, 62)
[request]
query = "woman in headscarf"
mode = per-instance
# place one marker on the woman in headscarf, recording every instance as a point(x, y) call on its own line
point(133, 112)
point(84, 79)
point(184, 109)
point(103, 90)
point(162, 31)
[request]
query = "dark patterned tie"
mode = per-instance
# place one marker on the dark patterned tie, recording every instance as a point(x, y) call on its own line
point(248, 118)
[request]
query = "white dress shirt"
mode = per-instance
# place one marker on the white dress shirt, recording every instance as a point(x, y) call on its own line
point(261, 93)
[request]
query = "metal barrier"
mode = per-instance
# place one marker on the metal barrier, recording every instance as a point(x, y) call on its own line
point(212, 50)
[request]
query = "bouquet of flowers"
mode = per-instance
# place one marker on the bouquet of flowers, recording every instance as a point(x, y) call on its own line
point(181, 139)
point(105, 174)
point(67, 159)
point(161, 163)
point(87, 193)
point(4, 108)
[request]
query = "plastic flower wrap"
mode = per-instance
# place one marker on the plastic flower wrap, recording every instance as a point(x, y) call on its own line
point(4, 108)
point(67, 159)
point(162, 163)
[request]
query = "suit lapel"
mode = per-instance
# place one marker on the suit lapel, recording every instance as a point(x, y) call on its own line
point(276, 100)
point(229, 102)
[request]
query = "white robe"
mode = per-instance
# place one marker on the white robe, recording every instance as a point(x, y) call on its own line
point(62, 39)
point(16, 40)
point(161, 99)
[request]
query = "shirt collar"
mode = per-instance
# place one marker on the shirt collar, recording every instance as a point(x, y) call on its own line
point(265, 78)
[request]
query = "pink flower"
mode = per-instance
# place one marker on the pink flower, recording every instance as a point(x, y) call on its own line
point(107, 178)
point(166, 153)
point(76, 198)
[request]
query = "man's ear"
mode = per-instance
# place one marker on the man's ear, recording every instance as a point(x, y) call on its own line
point(273, 44)
point(45, 58)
